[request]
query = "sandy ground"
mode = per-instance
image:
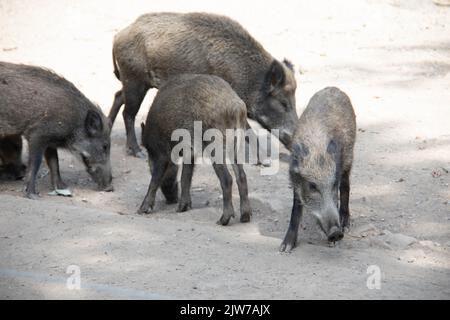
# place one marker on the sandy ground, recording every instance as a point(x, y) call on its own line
point(393, 60)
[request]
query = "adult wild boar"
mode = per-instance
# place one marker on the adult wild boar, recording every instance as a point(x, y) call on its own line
point(182, 101)
point(51, 113)
point(321, 160)
point(158, 45)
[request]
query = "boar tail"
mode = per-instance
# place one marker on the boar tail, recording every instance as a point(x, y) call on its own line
point(116, 70)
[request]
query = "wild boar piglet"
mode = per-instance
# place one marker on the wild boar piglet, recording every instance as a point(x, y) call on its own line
point(321, 161)
point(183, 102)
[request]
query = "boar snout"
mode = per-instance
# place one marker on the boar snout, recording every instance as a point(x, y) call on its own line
point(101, 174)
point(335, 234)
point(286, 138)
point(109, 188)
point(328, 220)
point(105, 182)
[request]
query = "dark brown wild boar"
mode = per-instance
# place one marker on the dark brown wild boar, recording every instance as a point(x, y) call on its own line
point(159, 45)
point(181, 101)
point(50, 113)
point(321, 161)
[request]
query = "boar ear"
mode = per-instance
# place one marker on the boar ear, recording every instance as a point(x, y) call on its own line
point(275, 77)
point(93, 123)
point(332, 147)
point(288, 64)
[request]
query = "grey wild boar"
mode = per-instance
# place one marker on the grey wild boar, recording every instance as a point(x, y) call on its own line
point(50, 113)
point(159, 45)
point(182, 100)
point(321, 161)
point(11, 166)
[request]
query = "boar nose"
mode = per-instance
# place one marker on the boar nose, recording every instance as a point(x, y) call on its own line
point(286, 137)
point(335, 234)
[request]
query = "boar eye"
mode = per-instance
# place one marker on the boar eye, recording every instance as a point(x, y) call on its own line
point(313, 187)
point(105, 147)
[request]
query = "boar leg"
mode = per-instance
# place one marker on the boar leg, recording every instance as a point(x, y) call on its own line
point(290, 240)
point(118, 102)
point(226, 182)
point(158, 172)
point(241, 179)
point(344, 193)
point(35, 155)
point(169, 186)
point(51, 157)
point(186, 178)
point(11, 158)
point(134, 94)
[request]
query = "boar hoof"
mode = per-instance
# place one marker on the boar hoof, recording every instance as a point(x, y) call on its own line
point(32, 196)
point(335, 235)
point(225, 219)
point(184, 206)
point(286, 247)
point(288, 243)
point(109, 188)
point(145, 209)
point(136, 153)
point(245, 216)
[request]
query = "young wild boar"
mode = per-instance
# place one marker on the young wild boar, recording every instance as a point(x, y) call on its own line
point(321, 160)
point(11, 166)
point(159, 45)
point(51, 113)
point(182, 100)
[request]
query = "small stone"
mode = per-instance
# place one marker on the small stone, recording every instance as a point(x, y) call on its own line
point(398, 240)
